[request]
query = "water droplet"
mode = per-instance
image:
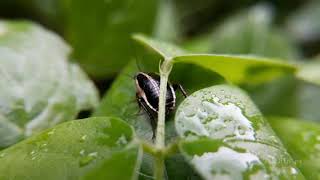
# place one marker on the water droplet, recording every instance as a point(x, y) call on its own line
point(293, 170)
point(82, 152)
point(122, 141)
point(83, 138)
point(234, 163)
point(43, 145)
point(33, 158)
point(88, 159)
point(51, 132)
point(32, 152)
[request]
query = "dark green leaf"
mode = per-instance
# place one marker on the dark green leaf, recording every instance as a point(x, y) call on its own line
point(100, 31)
point(225, 136)
point(302, 140)
point(38, 87)
point(93, 148)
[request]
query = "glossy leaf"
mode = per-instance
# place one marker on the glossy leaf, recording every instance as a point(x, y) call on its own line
point(93, 148)
point(237, 69)
point(38, 86)
point(225, 136)
point(302, 140)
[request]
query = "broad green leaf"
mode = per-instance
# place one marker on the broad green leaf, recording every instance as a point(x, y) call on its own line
point(101, 38)
point(225, 136)
point(239, 69)
point(310, 72)
point(38, 86)
point(236, 69)
point(251, 31)
point(302, 139)
point(93, 148)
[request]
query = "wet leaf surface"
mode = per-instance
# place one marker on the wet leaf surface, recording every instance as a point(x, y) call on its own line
point(39, 88)
point(93, 148)
point(302, 140)
point(225, 136)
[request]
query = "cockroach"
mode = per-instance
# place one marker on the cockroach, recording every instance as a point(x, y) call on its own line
point(147, 95)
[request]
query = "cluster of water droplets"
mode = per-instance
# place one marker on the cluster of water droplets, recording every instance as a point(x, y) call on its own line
point(227, 163)
point(217, 120)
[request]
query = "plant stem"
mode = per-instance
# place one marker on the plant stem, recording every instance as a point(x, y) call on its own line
point(159, 169)
point(165, 69)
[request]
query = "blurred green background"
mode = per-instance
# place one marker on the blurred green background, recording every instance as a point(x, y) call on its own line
point(100, 32)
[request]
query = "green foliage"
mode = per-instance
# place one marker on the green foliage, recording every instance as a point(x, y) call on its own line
point(119, 101)
point(225, 135)
point(236, 69)
point(310, 72)
point(38, 86)
point(302, 140)
point(217, 132)
point(107, 20)
point(93, 148)
point(99, 32)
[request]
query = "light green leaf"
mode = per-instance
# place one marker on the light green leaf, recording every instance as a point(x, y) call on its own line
point(237, 69)
point(93, 148)
point(302, 140)
point(38, 87)
point(225, 136)
point(310, 72)
point(164, 49)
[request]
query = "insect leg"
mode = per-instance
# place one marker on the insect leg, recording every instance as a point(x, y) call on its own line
point(152, 118)
point(178, 86)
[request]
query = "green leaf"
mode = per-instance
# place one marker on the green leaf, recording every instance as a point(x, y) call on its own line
point(310, 72)
point(38, 86)
point(101, 39)
point(302, 139)
point(93, 148)
point(225, 136)
point(237, 69)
